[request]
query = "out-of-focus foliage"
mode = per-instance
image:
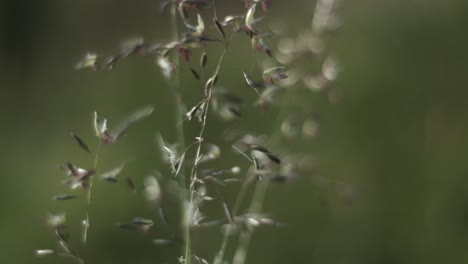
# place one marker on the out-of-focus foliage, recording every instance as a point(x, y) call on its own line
point(388, 180)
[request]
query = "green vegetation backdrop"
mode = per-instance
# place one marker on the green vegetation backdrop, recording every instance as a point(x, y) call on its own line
point(398, 140)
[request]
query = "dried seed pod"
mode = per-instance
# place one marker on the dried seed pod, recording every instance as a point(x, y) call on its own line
point(137, 224)
point(196, 111)
point(110, 137)
point(274, 74)
point(64, 197)
point(164, 242)
point(44, 252)
point(230, 19)
point(201, 25)
point(250, 19)
point(152, 190)
point(131, 184)
point(186, 5)
point(219, 27)
point(55, 221)
point(255, 85)
point(203, 60)
point(167, 67)
point(195, 74)
point(170, 155)
point(265, 151)
point(111, 176)
point(89, 61)
point(100, 125)
point(78, 176)
point(260, 45)
point(80, 142)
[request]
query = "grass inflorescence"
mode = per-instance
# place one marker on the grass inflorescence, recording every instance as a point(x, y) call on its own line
point(191, 184)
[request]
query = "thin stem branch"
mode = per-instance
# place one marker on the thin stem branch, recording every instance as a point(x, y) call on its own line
point(220, 256)
point(96, 160)
point(204, 118)
point(241, 195)
point(90, 191)
point(193, 177)
point(79, 260)
point(258, 197)
point(246, 235)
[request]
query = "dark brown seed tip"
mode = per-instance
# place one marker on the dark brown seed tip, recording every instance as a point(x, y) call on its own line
point(80, 142)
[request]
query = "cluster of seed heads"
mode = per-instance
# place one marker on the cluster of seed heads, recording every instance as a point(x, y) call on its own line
point(205, 185)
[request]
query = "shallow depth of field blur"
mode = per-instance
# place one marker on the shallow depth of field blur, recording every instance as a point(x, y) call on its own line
point(389, 182)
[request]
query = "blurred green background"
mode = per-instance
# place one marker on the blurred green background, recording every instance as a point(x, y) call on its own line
point(398, 139)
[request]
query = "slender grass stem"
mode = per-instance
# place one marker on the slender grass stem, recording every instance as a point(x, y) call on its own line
point(80, 261)
point(240, 196)
point(261, 188)
point(246, 235)
point(204, 118)
point(175, 87)
point(193, 177)
point(220, 256)
point(90, 192)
